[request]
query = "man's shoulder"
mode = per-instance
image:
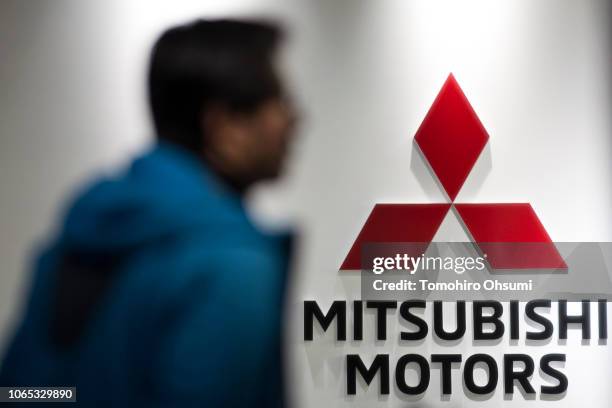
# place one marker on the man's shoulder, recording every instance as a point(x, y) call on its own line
point(203, 259)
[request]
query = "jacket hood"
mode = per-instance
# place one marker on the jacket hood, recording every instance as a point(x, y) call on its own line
point(163, 192)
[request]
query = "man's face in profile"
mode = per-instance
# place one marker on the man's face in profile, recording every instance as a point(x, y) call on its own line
point(273, 125)
point(250, 147)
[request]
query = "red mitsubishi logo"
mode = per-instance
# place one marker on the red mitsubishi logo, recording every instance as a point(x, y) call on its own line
point(451, 139)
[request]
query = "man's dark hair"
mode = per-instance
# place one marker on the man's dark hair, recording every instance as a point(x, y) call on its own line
point(226, 62)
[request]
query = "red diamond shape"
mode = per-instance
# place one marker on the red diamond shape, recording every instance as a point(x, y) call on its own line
point(511, 235)
point(451, 137)
point(397, 223)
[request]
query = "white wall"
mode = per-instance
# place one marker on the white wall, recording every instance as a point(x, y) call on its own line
point(537, 73)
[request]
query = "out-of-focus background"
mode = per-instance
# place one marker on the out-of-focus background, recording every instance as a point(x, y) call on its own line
point(539, 75)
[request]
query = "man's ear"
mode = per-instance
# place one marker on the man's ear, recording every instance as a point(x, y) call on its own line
point(225, 134)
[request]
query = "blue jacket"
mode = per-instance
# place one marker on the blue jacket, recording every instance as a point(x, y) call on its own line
point(157, 292)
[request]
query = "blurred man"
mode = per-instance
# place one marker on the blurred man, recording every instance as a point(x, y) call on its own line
point(158, 290)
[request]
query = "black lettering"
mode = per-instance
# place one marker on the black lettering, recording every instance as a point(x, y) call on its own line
point(354, 365)
point(514, 320)
point(421, 333)
point(336, 311)
point(521, 376)
point(583, 319)
point(531, 313)
point(381, 316)
point(446, 361)
point(480, 320)
point(603, 319)
point(400, 374)
point(468, 374)
point(357, 320)
point(554, 373)
point(439, 322)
